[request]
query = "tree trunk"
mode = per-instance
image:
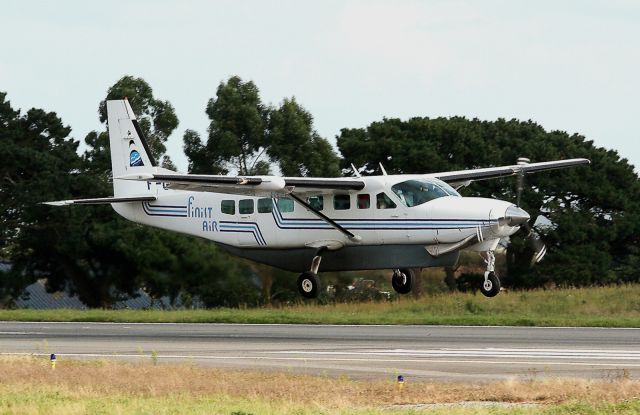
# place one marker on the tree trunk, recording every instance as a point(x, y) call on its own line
point(266, 279)
point(418, 285)
point(450, 278)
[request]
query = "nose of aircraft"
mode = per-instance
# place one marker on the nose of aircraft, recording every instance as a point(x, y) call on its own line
point(514, 216)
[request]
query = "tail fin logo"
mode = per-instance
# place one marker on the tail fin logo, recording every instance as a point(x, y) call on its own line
point(135, 160)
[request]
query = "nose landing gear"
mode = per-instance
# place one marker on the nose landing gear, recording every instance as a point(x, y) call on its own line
point(491, 284)
point(402, 280)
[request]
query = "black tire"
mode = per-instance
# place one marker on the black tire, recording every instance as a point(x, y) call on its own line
point(490, 287)
point(309, 284)
point(402, 282)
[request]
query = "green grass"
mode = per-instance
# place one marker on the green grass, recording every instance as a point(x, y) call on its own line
point(617, 306)
point(56, 401)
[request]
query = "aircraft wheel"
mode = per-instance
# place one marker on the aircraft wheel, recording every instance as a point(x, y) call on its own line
point(402, 280)
point(309, 284)
point(491, 286)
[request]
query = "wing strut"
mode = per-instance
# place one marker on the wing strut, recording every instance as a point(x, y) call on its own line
point(354, 238)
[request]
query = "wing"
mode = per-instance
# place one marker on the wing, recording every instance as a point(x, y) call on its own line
point(248, 185)
point(465, 177)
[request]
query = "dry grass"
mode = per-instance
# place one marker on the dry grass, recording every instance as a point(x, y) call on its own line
point(109, 378)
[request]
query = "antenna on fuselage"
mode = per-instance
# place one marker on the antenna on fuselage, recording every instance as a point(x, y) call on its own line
point(384, 172)
point(355, 171)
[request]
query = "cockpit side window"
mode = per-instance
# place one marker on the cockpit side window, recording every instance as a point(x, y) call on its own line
point(447, 188)
point(419, 191)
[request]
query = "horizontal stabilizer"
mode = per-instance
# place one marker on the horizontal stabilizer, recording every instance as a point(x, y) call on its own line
point(102, 201)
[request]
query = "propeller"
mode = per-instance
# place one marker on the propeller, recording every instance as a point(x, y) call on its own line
point(540, 249)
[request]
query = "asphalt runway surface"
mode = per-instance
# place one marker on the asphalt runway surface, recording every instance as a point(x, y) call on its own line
point(379, 352)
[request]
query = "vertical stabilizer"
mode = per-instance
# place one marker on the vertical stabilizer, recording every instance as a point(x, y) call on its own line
point(129, 150)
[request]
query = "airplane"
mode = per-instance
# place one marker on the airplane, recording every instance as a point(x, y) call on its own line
point(303, 224)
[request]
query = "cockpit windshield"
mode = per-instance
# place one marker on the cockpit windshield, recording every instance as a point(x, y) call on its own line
point(418, 191)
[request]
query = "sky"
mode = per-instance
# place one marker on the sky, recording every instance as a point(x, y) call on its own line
point(567, 65)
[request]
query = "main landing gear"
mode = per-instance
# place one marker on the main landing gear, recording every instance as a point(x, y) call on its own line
point(308, 281)
point(491, 284)
point(402, 280)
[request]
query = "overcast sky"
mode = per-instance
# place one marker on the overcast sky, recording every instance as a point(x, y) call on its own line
point(568, 65)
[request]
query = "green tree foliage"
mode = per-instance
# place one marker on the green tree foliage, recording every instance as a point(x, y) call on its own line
point(236, 131)
point(200, 160)
point(99, 256)
point(185, 268)
point(163, 262)
point(91, 250)
point(296, 146)
point(246, 136)
point(593, 210)
point(157, 118)
point(37, 162)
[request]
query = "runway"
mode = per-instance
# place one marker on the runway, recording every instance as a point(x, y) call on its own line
point(380, 352)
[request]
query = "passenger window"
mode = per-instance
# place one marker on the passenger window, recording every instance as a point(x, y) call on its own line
point(265, 205)
point(364, 201)
point(384, 202)
point(245, 206)
point(228, 207)
point(342, 202)
point(285, 204)
point(316, 202)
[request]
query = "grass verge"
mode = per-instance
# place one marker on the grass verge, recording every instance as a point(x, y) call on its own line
point(29, 385)
point(617, 306)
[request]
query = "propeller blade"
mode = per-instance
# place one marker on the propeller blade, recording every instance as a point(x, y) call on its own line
point(540, 254)
point(539, 248)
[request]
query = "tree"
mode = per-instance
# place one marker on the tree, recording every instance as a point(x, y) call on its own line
point(113, 257)
point(130, 256)
point(157, 118)
point(91, 250)
point(236, 132)
point(200, 160)
point(39, 162)
point(247, 137)
point(592, 211)
point(296, 146)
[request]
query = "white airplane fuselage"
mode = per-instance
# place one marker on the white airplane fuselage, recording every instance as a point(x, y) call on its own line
point(251, 224)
